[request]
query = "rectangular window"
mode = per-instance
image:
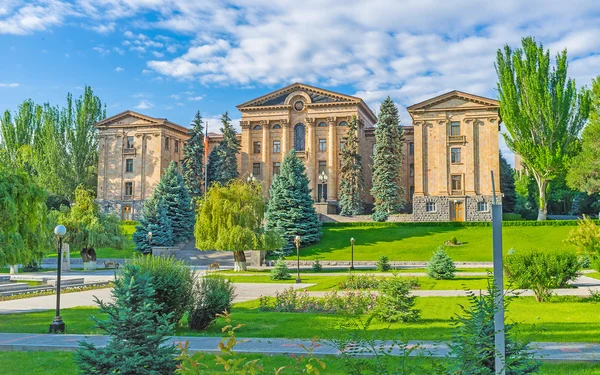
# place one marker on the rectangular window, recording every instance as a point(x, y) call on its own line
point(322, 167)
point(256, 148)
point(256, 169)
point(176, 146)
point(411, 192)
point(456, 182)
point(430, 207)
point(411, 148)
point(322, 145)
point(167, 143)
point(126, 213)
point(276, 147)
point(129, 189)
point(482, 206)
point(455, 128)
point(455, 155)
point(276, 168)
point(411, 170)
point(129, 142)
point(342, 145)
point(129, 165)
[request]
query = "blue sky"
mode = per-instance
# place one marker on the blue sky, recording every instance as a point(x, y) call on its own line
point(168, 58)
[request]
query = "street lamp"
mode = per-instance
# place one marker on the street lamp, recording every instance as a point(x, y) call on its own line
point(323, 179)
point(297, 243)
point(352, 264)
point(150, 241)
point(251, 178)
point(57, 325)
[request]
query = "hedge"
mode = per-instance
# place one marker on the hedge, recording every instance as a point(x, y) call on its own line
point(130, 222)
point(461, 224)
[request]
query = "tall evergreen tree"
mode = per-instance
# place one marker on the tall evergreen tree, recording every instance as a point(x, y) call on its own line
point(351, 177)
point(291, 208)
point(214, 165)
point(193, 159)
point(137, 328)
point(155, 220)
point(387, 187)
point(229, 148)
point(507, 185)
point(542, 110)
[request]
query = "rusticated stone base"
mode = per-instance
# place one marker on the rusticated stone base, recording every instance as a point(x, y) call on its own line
point(444, 203)
point(116, 207)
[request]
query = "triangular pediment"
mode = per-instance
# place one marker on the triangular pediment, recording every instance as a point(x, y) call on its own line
point(455, 100)
point(130, 118)
point(317, 95)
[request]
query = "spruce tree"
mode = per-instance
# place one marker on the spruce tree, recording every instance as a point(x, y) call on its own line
point(154, 219)
point(193, 160)
point(214, 165)
point(138, 331)
point(352, 183)
point(387, 187)
point(290, 208)
point(229, 148)
point(507, 186)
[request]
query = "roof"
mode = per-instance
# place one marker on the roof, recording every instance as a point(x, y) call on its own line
point(152, 120)
point(454, 94)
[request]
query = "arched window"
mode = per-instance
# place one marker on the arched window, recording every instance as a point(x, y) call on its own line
point(343, 123)
point(257, 127)
point(299, 134)
point(276, 126)
point(322, 124)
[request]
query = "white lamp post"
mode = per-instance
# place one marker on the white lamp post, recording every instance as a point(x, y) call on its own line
point(57, 325)
point(297, 243)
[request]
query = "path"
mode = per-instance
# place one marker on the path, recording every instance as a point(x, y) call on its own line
point(273, 346)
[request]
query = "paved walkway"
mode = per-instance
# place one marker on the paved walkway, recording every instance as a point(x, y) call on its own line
point(271, 346)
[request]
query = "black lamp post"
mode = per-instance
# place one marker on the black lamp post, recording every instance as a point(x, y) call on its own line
point(150, 241)
point(297, 243)
point(323, 179)
point(57, 325)
point(352, 262)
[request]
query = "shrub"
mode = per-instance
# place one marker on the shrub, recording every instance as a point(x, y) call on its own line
point(472, 347)
point(172, 280)
point(440, 265)
point(317, 267)
point(453, 241)
point(586, 237)
point(213, 295)
point(383, 264)
point(395, 303)
point(280, 271)
point(292, 300)
point(138, 329)
point(541, 271)
point(359, 282)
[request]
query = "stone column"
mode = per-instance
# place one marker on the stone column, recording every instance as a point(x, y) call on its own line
point(246, 147)
point(332, 191)
point(266, 153)
point(469, 156)
point(311, 158)
point(285, 137)
point(419, 128)
point(444, 188)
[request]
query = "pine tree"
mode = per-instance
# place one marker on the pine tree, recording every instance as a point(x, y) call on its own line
point(440, 265)
point(138, 331)
point(193, 160)
point(387, 187)
point(290, 208)
point(507, 186)
point(229, 148)
point(214, 165)
point(154, 219)
point(352, 183)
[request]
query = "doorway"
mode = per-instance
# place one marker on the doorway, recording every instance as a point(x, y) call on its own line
point(126, 213)
point(457, 212)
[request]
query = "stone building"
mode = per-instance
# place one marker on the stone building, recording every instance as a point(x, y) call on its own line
point(133, 152)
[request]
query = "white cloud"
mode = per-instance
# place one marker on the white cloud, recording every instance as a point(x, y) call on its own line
point(29, 18)
point(144, 104)
point(9, 85)
point(195, 98)
point(119, 50)
point(119, 69)
point(158, 54)
point(139, 49)
point(101, 50)
point(175, 96)
point(146, 71)
point(104, 28)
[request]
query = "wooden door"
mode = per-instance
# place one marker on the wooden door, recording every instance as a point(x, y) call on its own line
point(457, 212)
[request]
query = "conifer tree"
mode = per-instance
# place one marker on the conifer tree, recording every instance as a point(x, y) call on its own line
point(138, 331)
point(290, 208)
point(193, 159)
point(154, 219)
point(214, 165)
point(229, 148)
point(507, 186)
point(352, 183)
point(387, 187)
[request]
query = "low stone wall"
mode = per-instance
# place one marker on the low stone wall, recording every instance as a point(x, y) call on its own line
point(443, 203)
point(158, 251)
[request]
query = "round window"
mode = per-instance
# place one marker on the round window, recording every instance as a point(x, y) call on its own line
point(299, 105)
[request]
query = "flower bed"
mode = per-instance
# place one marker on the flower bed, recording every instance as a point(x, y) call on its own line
point(334, 302)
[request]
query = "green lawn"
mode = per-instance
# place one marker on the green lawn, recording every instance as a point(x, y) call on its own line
point(128, 250)
point(62, 363)
point(359, 271)
point(407, 243)
point(567, 321)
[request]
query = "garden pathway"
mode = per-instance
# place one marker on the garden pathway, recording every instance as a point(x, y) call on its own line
point(272, 346)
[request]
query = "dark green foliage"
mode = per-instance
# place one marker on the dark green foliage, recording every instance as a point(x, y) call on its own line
point(383, 264)
point(441, 266)
point(212, 295)
point(192, 164)
point(173, 283)
point(387, 187)
point(229, 148)
point(280, 271)
point(55, 202)
point(541, 271)
point(214, 165)
point(290, 209)
point(137, 328)
point(316, 266)
point(472, 345)
point(154, 219)
point(395, 302)
point(453, 240)
point(507, 186)
point(351, 173)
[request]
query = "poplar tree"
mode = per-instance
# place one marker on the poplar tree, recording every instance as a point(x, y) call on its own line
point(193, 159)
point(351, 177)
point(229, 148)
point(542, 110)
point(291, 208)
point(387, 162)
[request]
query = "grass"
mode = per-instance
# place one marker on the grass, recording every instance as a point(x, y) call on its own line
point(567, 320)
point(418, 243)
point(346, 270)
point(128, 250)
point(595, 274)
point(62, 363)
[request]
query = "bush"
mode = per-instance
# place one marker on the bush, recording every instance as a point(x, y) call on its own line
point(383, 264)
point(280, 272)
point(317, 267)
point(359, 282)
point(172, 280)
point(586, 237)
point(395, 303)
point(453, 241)
point(213, 295)
point(441, 266)
point(472, 347)
point(541, 271)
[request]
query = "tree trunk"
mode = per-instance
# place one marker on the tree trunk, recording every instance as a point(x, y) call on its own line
point(542, 203)
point(239, 259)
point(14, 269)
